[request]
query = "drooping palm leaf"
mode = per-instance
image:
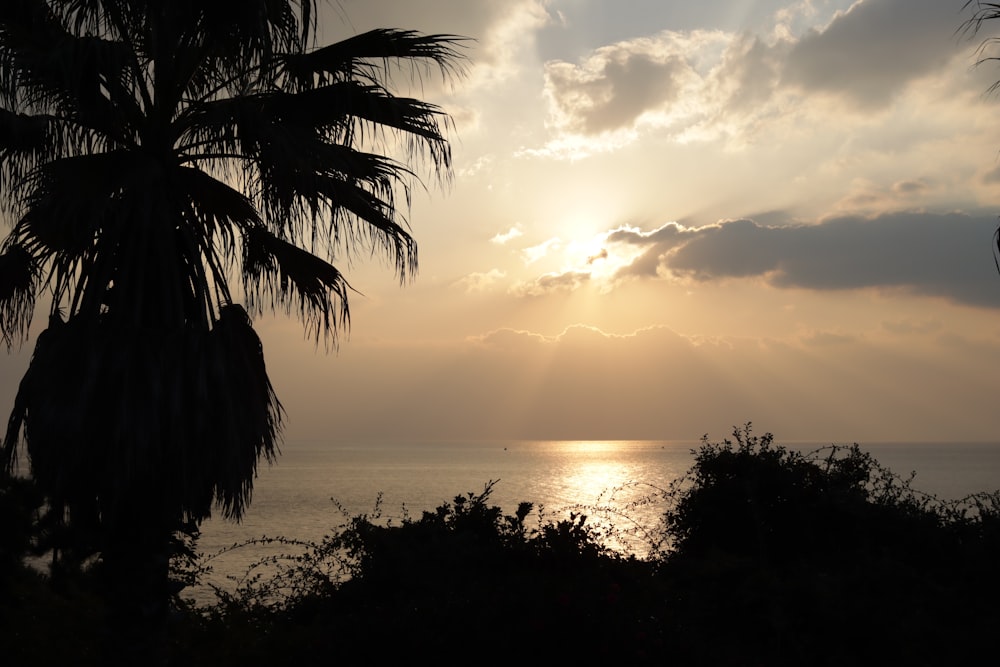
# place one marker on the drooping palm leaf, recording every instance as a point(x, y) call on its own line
point(21, 132)
point(246, 413)
point(18, 284)
point(185, 414)
point(278, 274)
point(71, 75)
point(351, 58)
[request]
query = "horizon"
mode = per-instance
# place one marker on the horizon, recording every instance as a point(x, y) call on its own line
point(310, 443)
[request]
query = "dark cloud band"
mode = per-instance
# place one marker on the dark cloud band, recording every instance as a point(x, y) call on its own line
point(942, 255)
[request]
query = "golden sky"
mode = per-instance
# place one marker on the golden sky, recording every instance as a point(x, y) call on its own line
point(670, 218)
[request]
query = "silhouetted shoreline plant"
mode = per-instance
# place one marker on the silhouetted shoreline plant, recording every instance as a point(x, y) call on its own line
point(761, 555)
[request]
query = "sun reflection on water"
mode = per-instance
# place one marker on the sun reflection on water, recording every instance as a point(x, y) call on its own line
point(593, 467)
point(612, 481)
point(589, 470)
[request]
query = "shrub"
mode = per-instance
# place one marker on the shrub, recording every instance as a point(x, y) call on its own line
point(462, 575)
point(751, 499)
point(822, 558)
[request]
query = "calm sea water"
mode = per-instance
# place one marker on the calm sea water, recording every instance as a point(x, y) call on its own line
point(293, 497)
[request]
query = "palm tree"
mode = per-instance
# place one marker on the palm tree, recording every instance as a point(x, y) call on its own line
point(152, 154)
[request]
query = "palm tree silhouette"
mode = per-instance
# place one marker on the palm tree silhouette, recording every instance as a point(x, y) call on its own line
point(161, 160)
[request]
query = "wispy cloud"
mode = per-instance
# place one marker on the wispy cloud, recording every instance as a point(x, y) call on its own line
point(480, 282)
point(503, 237)
point(537, 252)
point(908, 327)
point(548, 283)
point(483, 162)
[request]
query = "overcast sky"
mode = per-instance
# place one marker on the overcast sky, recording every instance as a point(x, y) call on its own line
point(668, 218)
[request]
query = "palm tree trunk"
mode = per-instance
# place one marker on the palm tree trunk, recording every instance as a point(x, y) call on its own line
point(135, 576)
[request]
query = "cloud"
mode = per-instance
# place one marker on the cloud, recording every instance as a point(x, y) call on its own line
point(505, 41)
point(753, 67)
point(614, 87)
point(537, 252)
point(701, 85)
point(992, 176)
point(864, 195)
point(551, 282)
point(940, 255)
point(909, 327)
point(826, 338)
point(508, 339)
point(911, 187)
point(510, 234)
point(480, 164)
point(872, 51)
point(656, 242)
point(480, 282)
point(666, 236)
point(652, 80)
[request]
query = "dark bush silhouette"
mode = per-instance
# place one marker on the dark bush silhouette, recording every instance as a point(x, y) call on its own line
point(775, 557)
point(465, 577)
point(825, 558)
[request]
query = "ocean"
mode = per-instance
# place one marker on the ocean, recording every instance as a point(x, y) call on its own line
point(314, 487)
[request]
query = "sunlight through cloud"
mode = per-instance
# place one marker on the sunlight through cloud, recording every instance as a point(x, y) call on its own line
point(537, 252)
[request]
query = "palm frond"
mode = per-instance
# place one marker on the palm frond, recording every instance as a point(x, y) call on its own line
point(302, 174)
point(245, 413)
point(353, 56)
point(166, 417)
point(377, 225)
point(279, 274)
point(216, 206)
point(247, 28)
point(21, 133)
point(241, 125)
point(25, 140)
point(69, 201)
point(19, 277)
point(339, 104)
point(41, 394)
point(44, 67)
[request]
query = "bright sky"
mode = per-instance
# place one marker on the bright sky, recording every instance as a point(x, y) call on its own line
point(669, 218)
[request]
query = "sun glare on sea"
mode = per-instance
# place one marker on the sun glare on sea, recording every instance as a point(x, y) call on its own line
point(597, 466)
point(591, 446)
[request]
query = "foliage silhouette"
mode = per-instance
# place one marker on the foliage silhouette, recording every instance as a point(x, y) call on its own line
point(159, 159)
point(981, 13)
point(791, 545)
point(19, 502)
point(464, 575)
point(769, 556)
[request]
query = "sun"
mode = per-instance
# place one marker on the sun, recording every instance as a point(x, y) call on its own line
point(600, 258)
